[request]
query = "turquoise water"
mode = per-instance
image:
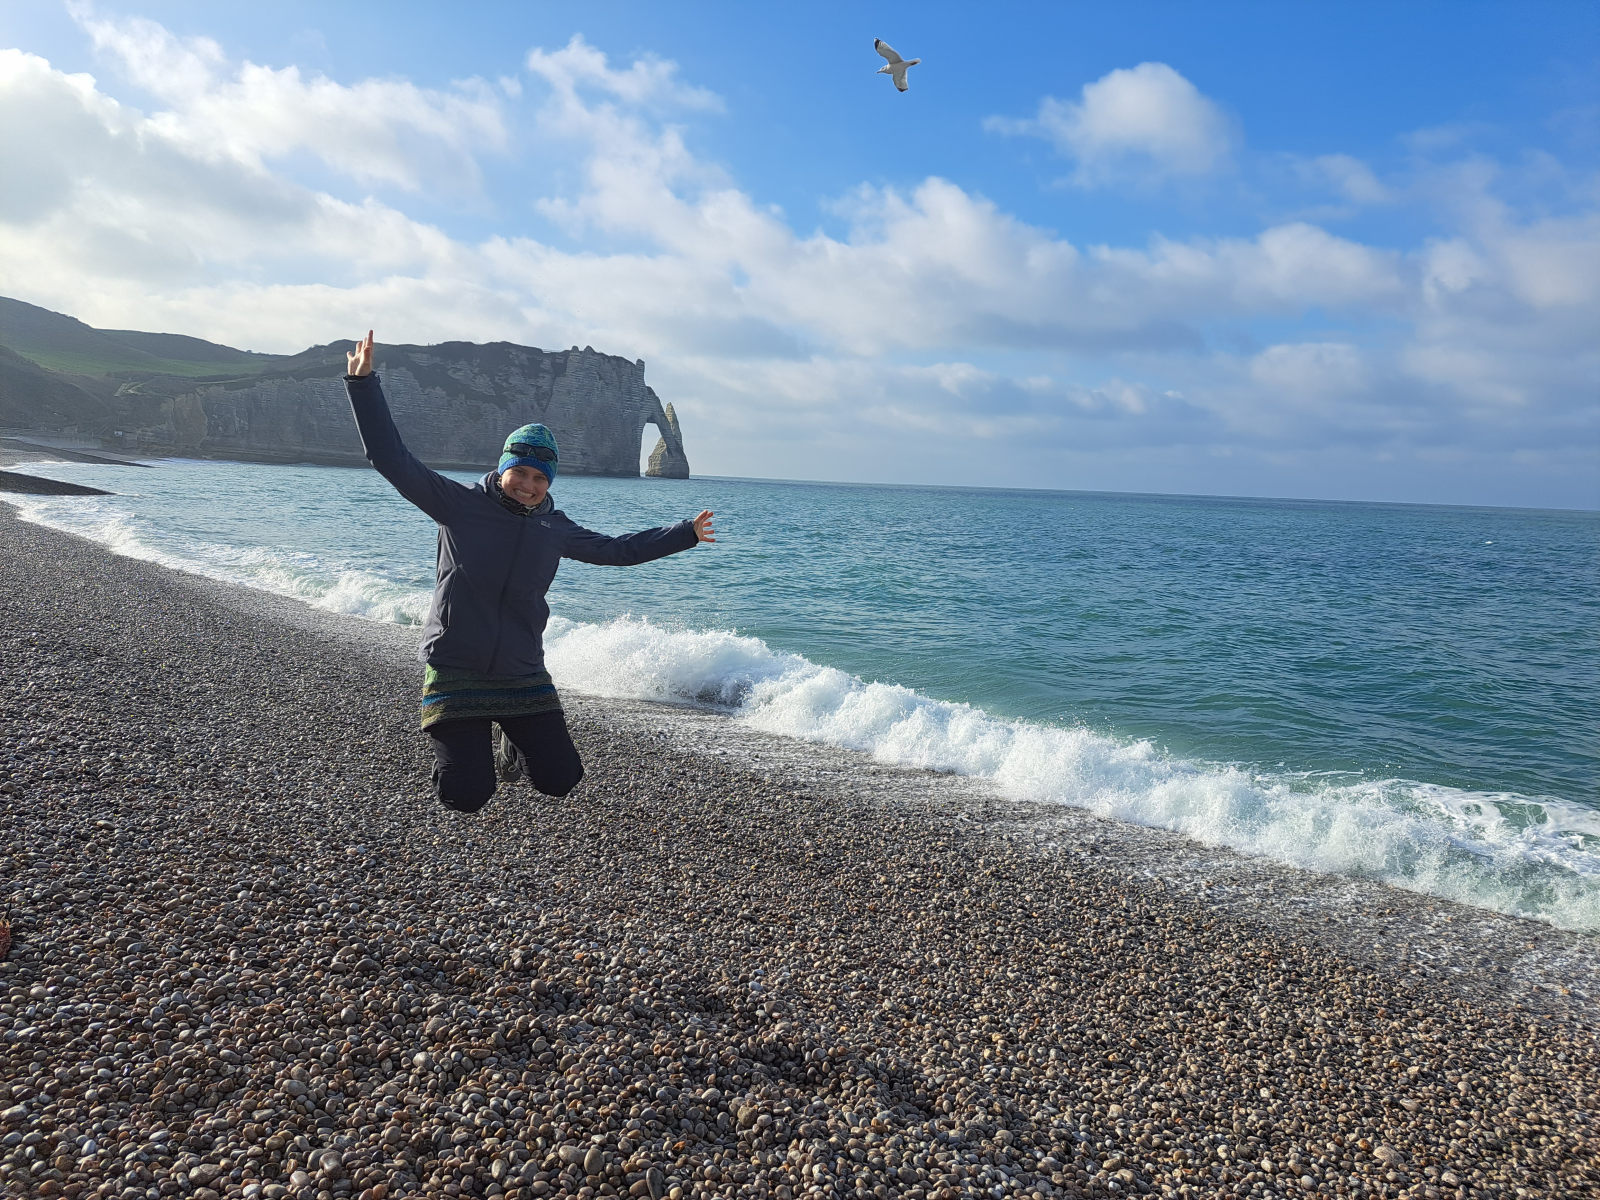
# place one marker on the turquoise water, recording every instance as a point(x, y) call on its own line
point(1402, 692)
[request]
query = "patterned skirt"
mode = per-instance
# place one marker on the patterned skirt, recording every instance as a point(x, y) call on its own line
point(450, 695)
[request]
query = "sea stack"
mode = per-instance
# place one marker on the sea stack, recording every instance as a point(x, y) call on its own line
point(667, 460)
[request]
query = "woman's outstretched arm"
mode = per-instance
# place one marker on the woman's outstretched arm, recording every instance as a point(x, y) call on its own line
point(427, 489)
point(586, 545)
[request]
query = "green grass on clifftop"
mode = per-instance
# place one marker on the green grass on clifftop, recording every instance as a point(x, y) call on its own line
point(112, 363)
point(65, 344)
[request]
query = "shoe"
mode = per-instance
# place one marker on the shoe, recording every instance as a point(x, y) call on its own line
point(507, 766)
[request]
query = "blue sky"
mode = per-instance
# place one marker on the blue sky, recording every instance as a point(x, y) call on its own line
point(1349, 251)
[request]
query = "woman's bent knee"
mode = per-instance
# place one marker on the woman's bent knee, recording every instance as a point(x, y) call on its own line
point(558, 786)
point(464, 800)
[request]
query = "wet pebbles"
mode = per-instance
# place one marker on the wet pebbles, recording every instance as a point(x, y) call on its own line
point(35, 485)
point(253, 960)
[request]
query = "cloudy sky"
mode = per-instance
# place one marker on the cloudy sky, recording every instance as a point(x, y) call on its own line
point(1343, 250)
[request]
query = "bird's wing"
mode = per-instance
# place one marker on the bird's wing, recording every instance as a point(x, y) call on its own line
point(899, 77)
point(883, 48)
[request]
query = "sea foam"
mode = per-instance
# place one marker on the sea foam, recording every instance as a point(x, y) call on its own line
point(316, 579)
point(1536, 857)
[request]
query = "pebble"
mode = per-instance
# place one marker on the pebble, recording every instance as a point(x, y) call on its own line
point(689, 978)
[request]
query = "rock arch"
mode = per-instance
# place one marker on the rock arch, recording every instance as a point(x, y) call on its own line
point(667, 460)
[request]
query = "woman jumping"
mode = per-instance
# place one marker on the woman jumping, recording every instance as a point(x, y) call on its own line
point(500, 542)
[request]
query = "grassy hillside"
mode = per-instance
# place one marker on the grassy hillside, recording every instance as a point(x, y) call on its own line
point(32, 397)
point(179, 347)
point(65, 344)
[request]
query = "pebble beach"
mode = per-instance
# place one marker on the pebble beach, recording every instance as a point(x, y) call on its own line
point(253, 958)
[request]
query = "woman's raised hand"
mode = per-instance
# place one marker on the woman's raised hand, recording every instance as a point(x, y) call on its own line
point(360, 359)
point(702, 527)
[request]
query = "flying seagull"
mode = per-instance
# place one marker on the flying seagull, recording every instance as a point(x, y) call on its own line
point(897, 66)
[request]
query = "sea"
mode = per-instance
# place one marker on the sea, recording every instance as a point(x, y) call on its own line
point(1401, 693)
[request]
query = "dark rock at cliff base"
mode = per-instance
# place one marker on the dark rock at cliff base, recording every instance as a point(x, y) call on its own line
point(32, 485)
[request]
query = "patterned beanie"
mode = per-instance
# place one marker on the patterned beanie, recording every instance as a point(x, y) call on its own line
point(530, 435)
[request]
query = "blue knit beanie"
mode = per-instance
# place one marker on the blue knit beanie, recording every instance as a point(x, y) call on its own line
point(530, 435)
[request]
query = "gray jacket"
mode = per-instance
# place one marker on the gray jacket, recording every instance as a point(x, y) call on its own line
point(489, 611)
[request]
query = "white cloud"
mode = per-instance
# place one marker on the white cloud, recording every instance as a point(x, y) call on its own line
point(1552, 264)
point(647, 82)
point(1146, 121)
point(1349, 176)
point(1287, 268)
point(1450, 267)
point(1300, 372)
point(161, 63)
point(107, 204)
point(376, 131)
point(1293, 386)
point(1474, 373)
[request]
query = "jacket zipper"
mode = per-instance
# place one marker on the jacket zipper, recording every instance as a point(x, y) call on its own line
point(494, 654)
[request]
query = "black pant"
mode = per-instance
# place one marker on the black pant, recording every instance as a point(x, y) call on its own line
point(463, 751)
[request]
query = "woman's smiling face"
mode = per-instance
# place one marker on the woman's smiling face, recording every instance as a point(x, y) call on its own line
point(525, 485)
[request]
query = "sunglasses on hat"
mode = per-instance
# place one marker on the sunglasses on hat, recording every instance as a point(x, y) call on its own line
point(523, 450)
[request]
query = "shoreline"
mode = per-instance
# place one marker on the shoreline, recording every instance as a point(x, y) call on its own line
point(753, 964)
point(36, 485)
point(15, 450)
point(21, 449)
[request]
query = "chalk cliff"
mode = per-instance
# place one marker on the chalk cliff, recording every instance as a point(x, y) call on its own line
point(454, 402)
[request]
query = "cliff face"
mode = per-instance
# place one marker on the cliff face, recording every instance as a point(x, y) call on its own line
point(454, 403)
